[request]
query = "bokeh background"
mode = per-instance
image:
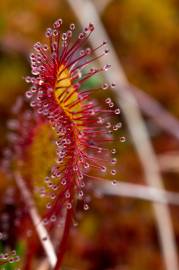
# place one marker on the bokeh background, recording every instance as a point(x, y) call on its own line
point(117, 233)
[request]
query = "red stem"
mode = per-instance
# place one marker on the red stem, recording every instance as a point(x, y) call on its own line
point(31, 250)
point(63, 244)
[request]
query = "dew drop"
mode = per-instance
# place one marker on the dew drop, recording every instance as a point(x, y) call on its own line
point(57, 23)
point(86, 165)
point(50, 184)
point(63, 182)
point(114, 182)
point(81, 35)
point(48, 32)
point(114, 161)
point(67, 194)
point(82, 184)
point(108, 100)
point(45, 47)
point(45, 221)
point(119, 125)
point(35, 71)
point(86, 207)
point(82, 52)
point(11, 260)
point(37, 46)
point(108, 125)
point(27, 79)
point(33, 104)
point(81, 193)
point(54, 187)
point(47, 179)
point(28, 94)
point(72, 26)
point(48, 205)
point(106, 67)
point(117, 111)
point(113, 85)
point(103, 169)
point(122, 139)
point(100, 120)
point(69, 205)
point(33, 89)
point(115, 128)
point(91, 27)
point(92, 70)
point(111, 104)
point(53, 218)
point(105, 86)
point(113, 172)
point(52, 196)
point(80, 177)
point(55, 33)
point(64, 36)
point(41, 82)
point(88, 51)
point(13, 253)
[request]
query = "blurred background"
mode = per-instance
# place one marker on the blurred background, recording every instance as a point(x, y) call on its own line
point(118, 232)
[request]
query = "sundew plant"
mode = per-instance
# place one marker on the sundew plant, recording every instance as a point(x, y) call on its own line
point(61, 139)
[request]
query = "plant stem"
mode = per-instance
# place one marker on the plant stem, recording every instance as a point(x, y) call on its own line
point(63, 243)
point(36, 219)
